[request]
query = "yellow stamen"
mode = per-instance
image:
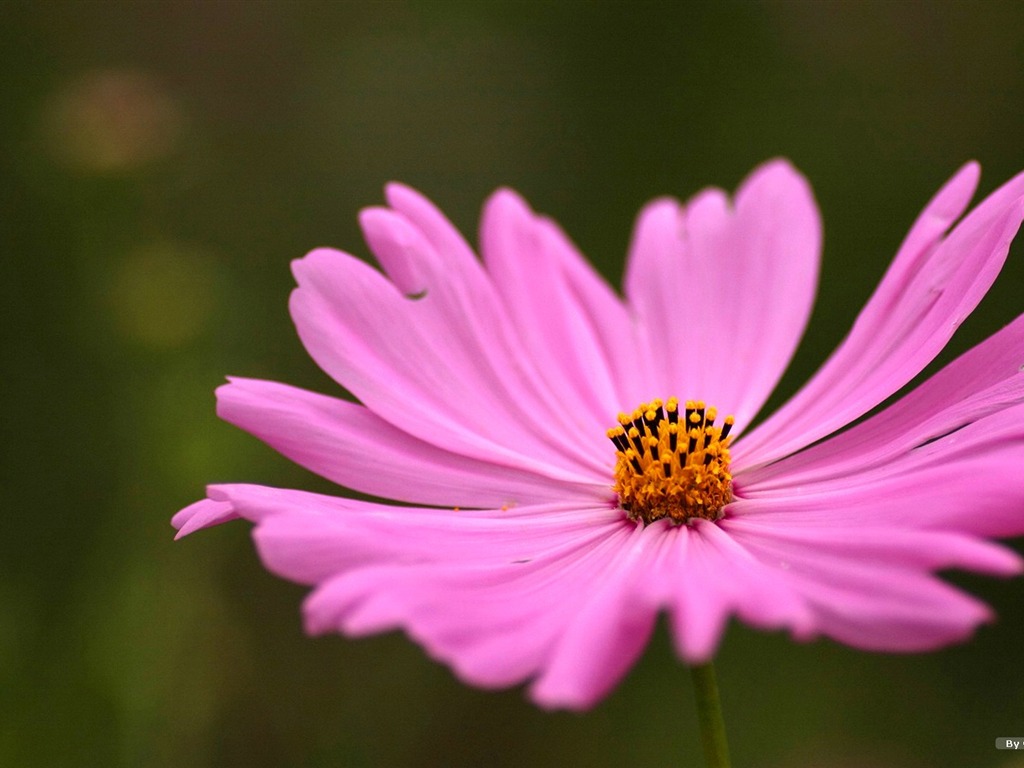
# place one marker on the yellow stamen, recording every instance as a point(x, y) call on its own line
point(667, 470)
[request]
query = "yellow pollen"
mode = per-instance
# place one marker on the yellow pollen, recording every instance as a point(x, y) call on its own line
point(670, 464)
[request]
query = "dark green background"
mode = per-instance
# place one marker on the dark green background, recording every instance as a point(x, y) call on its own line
point(161, 163)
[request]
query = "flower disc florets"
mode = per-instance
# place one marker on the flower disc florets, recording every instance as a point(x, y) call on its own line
point(672, 467)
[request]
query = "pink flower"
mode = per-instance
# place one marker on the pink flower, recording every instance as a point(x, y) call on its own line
point(542, 549)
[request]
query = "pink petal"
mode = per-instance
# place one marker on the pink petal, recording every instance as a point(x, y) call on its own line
point(708, 577)
point(938, 497)
point(202, 514)
point(882, 608)
point(428, 368)
point(591, 352)
point(871, 587)
point(381, 533)
point(348, 444)
point(980, 383)
point(487, 646)
point(968, 481)
point(827, 542)
point(713, 285)
point(448, 269)
point(600, 308)
point(495, 623)
point(435, 228)
point(931, 287)
point(607, 631)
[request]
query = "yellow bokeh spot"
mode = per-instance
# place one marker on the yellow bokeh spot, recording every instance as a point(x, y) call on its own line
point(163, 295)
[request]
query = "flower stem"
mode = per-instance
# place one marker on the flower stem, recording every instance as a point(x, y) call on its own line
point(709, 714)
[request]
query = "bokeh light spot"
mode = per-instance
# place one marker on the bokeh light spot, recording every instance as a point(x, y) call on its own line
point(111, 121)
point(163, 294)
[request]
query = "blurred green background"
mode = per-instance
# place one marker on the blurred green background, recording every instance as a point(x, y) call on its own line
point(161, 163)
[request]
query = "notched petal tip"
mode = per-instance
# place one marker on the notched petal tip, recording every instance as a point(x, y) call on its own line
point(304, 266)
point(202, 514)
point(415, 205)
point(228, 390)
point(399, 248)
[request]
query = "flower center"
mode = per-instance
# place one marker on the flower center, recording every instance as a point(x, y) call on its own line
point(669, 466)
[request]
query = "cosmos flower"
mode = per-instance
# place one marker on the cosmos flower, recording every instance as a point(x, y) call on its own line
point(573, 463)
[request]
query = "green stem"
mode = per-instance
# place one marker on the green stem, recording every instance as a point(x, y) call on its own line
point(709, 714)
